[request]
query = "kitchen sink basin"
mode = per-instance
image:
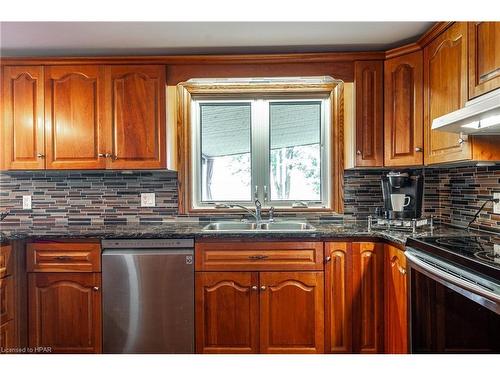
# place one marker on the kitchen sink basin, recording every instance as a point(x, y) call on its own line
point(279, 226)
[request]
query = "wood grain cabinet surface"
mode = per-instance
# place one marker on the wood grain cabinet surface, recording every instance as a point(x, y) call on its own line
point(369, 100)
point(64, 296)
point(84, 117)
point(403, 114)
point(368, 297)
point(65, 312)
point(74, 109)
point(395, 298)
point(23, 146)
point(484, 57)
point(338, 297)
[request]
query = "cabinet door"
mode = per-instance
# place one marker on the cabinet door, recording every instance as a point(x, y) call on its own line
point(445, 90)
point(368, 303)
point(395, 297)
point(338, 297)
point(23, 111)
point(136, 116)
point(7, 335)
point(484, 57)
point(291, 312)
point(6, 299)
point(403, 122)
point(369, 92)
point(227, 312)
point(64, 312)
point(74, 135)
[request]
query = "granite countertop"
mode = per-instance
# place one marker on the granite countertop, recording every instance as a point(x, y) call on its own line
point(194, 229)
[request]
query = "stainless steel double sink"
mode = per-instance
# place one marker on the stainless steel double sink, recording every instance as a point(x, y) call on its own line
point(277, 226)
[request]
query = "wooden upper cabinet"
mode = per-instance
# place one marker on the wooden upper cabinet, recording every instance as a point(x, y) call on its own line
point(395, 297)
point(291, 312)
point(136, 116)
point(368, 299)
point(74, 133)
point(227, 312)
point(338, 297)
point(369, 92)
point(23, 122)
point(403, 115)
point(65, 312)
point(484, 57)
point(445, 83)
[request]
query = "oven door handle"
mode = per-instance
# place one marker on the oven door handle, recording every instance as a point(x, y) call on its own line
point(437, 274)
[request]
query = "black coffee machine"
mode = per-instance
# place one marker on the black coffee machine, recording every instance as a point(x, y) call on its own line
point(407, 183)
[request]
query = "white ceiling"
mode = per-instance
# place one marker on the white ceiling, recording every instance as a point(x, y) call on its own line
point(163, 38)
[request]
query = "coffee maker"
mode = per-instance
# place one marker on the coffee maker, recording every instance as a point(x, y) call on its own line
point(403, 194)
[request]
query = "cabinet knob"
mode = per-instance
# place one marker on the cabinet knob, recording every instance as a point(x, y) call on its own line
point(101, 155)
point(358, 152)
point(40, 156)
point(418, 149)
point(96, 288)
point(263, 287)
point(254, 287)
point(461, 141)
point(107, 155)
point(328, 259)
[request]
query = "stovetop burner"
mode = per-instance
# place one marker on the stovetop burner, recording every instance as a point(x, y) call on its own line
point(487, 256)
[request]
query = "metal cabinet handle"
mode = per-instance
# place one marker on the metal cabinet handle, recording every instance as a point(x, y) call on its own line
point(263, 287)
point(40, 156)
point(254, 287)
point(96, 288)
point(358, 152)
point(461, 141)
point(63, 257)
point(418, 149)
point(257, 257)
point(101, 155)
point(328, 258)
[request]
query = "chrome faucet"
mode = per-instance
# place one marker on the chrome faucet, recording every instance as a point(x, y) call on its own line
point(258, 210)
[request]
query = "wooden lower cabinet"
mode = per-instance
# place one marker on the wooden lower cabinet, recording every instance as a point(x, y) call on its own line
point(64, 312)
point(291, 312)
point(338, 297)
point(368, 297)
point(227, 311)
point(7, 336)
point(395, 297)
point(252, 312)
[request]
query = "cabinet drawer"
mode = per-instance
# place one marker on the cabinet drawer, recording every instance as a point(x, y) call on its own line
point(5, 260)
point(64, 257)
point(258, 256)
point(6, 299)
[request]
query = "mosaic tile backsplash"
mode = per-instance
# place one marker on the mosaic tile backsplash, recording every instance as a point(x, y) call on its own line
point(109, 197)
point(85, 197)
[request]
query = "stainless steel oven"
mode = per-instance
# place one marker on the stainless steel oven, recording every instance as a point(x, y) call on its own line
point(452, 309)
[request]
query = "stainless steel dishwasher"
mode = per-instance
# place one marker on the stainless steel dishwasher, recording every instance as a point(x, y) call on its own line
point(148, 296)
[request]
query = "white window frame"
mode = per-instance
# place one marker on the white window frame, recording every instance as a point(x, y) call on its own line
point(260, 150)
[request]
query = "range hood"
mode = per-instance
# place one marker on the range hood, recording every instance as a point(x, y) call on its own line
point(480, 116)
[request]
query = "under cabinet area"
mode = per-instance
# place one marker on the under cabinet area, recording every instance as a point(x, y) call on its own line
point(64, 296)
point(277, 310)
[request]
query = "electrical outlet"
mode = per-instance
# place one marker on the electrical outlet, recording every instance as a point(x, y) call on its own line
point(148, 200)
point(26, 202)
point(496, 206)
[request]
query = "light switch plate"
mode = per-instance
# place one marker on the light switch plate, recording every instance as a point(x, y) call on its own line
point(148, 200)
point(496, 206)
point(26, 202)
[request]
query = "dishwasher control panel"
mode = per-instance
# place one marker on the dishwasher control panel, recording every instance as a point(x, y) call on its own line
point(153, 243)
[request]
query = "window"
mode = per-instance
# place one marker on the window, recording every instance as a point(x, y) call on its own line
point(274, 148)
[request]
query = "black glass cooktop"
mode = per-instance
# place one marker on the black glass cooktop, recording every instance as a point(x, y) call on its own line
point(481, 252)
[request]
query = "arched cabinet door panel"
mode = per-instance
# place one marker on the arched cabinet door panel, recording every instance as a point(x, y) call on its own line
point(64, 312)
point(23, 110)
point(74, 108)
point(136, 116)
point(291, 312)
point(227, 312)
